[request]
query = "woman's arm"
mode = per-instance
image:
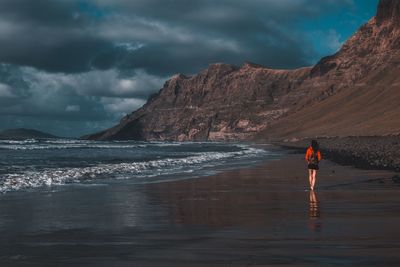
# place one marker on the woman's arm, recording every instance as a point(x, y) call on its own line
point(308, 154)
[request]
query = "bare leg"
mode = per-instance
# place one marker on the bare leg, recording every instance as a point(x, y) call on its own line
point(313, 179)
point(310, 177)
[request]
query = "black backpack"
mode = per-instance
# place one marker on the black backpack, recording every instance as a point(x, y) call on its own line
point(314, 158)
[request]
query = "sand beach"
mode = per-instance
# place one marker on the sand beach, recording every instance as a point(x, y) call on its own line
point(258, 216)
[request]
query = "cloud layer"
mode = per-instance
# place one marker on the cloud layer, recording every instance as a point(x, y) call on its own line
point(160, 37)
point(99, 97)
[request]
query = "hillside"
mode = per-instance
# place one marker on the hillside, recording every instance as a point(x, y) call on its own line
point(23, 133)
point(366, 76)
point(354, 92)
point(222, 102)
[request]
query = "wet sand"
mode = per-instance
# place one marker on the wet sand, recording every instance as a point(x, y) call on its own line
point(261, 216)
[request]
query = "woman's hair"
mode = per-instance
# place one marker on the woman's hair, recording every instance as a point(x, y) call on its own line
point(315, 145)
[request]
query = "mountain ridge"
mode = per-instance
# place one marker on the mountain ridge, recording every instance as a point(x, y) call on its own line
point(226, 102)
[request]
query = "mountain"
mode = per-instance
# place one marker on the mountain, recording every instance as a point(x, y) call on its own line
point(365, 80)
point(222, 102)
point(23, 133)
point(353, 92)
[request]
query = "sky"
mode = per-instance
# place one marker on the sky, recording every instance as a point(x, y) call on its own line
point(73, 67)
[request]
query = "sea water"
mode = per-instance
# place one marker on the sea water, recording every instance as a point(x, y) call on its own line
point(32, 164)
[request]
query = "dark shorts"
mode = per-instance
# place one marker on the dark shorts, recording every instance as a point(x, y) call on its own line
point(313, 166)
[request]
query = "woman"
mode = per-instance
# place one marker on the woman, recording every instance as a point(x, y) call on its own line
point(313, 157)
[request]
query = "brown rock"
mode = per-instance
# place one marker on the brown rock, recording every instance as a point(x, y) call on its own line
point(354, 92)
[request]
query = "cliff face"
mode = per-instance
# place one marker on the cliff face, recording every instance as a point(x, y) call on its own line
point(388, 11)
point(225, 102)
point(364, 77)
point(222, 102)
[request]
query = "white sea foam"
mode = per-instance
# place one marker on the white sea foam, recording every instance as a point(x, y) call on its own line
point(18, 142)
point(72, 146)
point(59, 176)
point(33, 144)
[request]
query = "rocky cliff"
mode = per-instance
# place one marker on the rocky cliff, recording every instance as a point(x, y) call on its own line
point(222, 102)
point(354, 92)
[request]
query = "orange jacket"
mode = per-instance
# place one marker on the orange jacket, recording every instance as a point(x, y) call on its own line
point(309, 154)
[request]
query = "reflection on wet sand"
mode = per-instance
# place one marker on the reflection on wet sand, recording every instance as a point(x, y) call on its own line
point(229, 199)
point(214, 204)
point(314, 212)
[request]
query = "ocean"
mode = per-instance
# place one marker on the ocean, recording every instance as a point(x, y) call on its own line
point(32, 164)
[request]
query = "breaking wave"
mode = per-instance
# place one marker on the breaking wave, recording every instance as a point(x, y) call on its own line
point(40, 163)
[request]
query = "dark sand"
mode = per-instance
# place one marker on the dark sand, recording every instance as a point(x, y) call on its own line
point(250, 217)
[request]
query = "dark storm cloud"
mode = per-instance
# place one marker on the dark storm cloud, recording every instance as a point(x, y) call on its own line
point(51, 35)
point(174, 36)
point(27, 92)
point(38, 100)
point(184, 36)
point(38, 12)
point(90, 100)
